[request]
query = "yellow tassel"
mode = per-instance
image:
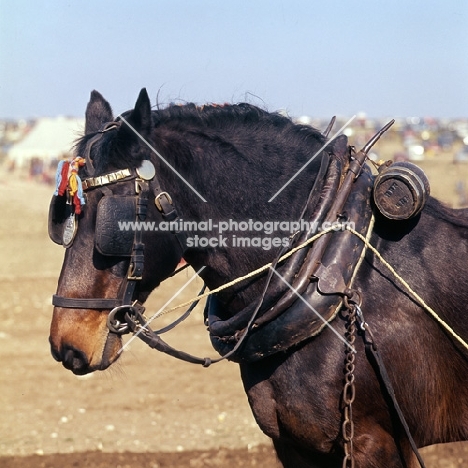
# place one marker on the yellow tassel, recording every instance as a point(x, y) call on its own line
point(75, 165)
point(72, 184)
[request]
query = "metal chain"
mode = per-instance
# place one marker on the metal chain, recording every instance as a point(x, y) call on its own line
point(349, 389)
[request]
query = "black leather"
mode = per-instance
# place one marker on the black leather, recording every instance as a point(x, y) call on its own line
point(85, 303)
point(109, 238)
point(59, 211)
point(298, 322)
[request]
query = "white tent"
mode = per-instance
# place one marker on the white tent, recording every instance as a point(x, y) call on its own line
point(50, 139)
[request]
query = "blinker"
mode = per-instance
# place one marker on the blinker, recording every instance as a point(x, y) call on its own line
point(114, 234)
point(62, 223)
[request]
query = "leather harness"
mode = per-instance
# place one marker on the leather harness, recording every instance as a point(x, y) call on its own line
point(322, 278)
point(322, 274)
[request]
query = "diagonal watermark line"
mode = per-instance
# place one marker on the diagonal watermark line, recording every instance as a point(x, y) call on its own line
point(312, 158)
point(313, 310)
point(158, 154)
point(159, 312)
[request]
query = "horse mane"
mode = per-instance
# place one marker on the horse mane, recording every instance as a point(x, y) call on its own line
point(211, 121)
point(457, 217)
point(213, 117)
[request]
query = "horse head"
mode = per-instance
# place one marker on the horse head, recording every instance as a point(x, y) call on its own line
point(104, 265)
point(226, 150)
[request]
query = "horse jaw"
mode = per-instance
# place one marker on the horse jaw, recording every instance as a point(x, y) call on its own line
point(81, 341)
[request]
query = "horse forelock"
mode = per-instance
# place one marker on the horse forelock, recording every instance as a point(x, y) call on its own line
point(112, 151)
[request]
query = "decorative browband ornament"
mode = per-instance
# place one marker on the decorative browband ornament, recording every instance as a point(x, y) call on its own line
point(69, 191)
point(68, 200)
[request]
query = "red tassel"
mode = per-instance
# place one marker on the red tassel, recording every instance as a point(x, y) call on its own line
point(77, 203)
point(64, 182)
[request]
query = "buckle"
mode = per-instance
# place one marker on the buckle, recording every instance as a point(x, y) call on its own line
point(157, 201)
point(131, 276)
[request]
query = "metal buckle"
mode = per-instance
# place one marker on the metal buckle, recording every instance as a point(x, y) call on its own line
point(141, 185)
point(157, 202)
point(131, 273)
point(137, 186)
point(360, 318)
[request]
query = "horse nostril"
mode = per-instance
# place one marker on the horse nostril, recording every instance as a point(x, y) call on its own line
point(55, 354)
point(54, 351)
point(74, 360)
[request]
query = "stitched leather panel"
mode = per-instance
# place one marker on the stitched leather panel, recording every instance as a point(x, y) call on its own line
point(109, 238)
point(299, 322)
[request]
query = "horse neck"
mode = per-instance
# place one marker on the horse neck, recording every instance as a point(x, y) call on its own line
point(237, 182)
point(430, 254)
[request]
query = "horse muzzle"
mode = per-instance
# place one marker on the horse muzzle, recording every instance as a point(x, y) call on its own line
point(83, 344)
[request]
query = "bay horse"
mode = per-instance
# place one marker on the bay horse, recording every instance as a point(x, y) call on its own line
point(243, 164)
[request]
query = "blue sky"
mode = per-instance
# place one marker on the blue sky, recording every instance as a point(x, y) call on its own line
point(319, 58)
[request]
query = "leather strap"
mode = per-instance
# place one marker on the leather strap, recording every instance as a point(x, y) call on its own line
point(106, 179)
point(166, 207)
point(85, 303)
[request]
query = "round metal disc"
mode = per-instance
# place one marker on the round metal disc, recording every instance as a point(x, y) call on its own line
point(146, 171)
point(69, 230)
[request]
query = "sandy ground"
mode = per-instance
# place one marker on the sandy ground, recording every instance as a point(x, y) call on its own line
point(149, 410)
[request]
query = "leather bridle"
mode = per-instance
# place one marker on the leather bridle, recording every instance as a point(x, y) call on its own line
point(142, 177)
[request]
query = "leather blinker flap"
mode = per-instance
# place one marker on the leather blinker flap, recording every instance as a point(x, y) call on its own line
point(115, 230)
point(59, 212)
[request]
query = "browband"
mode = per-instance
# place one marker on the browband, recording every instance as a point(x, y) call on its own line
point(106, 179)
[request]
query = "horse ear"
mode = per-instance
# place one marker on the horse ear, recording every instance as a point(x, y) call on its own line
point(140, 117)
point(98, 112)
